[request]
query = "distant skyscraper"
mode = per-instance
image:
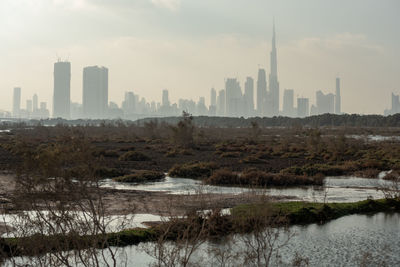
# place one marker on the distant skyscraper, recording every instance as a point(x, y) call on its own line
point(395, 104)
point(338, 101)
point(213, 102)
point(288, 103)
point(35, 102)
point(249, 96)
point(95, 92)
point(213, 97)
point(221, 107)
point(165, 98)
point(16, 102)
point(261, 91)
point(325, 103)
point(62, 90)
point(29, 108)
point(302, 107)
point(273, 77)
point(234, 98)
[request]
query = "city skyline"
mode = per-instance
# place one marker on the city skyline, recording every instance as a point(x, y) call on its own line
point(151, 46)
point(232, 102)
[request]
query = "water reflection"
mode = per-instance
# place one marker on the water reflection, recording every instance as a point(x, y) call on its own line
point(337, 189)
point(342, 242)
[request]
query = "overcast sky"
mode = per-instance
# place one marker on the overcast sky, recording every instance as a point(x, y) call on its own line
point(190, 46)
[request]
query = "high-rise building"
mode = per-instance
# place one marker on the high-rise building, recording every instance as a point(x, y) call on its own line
point(62, 90)
point(249, 96)
point(338, 101)
point(395, 104)
point(288, 103)
point(233, 98)
point(273, 78)
point(261, 91)
point(213, 103)
point(29, 108)
point(221, 107)
point(16, 102)
point(213, 97)
point(325, 103)
point(165, 98)
point(35, 101)
point(302, 107)
point(95, 92)
point(201, 108)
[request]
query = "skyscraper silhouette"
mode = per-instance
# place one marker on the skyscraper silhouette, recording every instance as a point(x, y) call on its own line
point(62, 90)
point(95, 92)
point(165, 98)
point(233, 97)
point(249, 96)
point(338, 100)
point(288, 103)
point(261, 92)
point(35, 101)
point(273, 78)
point(16, 102)
point(302, 107)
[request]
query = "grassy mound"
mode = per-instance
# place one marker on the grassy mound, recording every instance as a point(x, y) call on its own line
point(133, 156)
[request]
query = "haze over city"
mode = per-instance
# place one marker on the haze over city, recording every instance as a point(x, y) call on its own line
point(189, 47)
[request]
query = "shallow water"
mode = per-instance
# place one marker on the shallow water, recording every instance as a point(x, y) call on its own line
point(337, 189)
point(342, 242)
point(375, 138)
point(113, 223)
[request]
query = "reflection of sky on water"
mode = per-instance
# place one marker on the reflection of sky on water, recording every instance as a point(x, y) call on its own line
point(338, 189)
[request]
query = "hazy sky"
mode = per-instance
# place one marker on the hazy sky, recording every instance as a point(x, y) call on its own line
point(190, 46)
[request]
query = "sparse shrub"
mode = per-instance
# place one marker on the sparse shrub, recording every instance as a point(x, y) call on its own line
point(104, 172)
point(182, 133)
point(134, 156)
point(230, 155)
point(141, 177)
point(393, 176)
point(260, 178)
point(223, 177)
point(192, 170)
point(368, 173)
point(252, 160)
point(127, 148)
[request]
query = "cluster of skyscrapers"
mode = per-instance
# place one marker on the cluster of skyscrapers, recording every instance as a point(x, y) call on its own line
point(230, 101)
point(33, 108)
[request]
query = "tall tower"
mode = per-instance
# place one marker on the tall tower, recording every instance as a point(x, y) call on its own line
point(62, 90)
point(338, 100)
point(165, 98)
point(273, 77)
point(95, 92)
point(16, 102)
point(249, 96)
point(261, 91)
point(35, 101)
